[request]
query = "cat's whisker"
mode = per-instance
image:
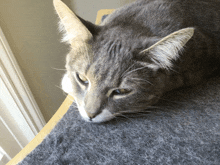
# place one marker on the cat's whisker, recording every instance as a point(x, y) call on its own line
point(58, 87)
point(128, 112)
point(62, 90)
point(135, 70)
point(126, 71)
point(147, 108)
point(58, 69)
point(124, 116)
point(171, 101)
point(174, 70)
point(121, 115)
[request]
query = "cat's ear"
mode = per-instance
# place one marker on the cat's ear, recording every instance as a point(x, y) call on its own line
point(75, 28)
point(163, 52)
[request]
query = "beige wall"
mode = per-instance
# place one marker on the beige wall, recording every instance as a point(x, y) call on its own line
point(30, 27)
point(87, 9)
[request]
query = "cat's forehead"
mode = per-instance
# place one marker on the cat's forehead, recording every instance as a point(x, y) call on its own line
point(111, 56)
point(101, 65)
point(108, 55)
point(114, 44)
point(79, 57)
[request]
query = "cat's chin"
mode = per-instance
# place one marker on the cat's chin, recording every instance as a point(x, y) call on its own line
point(104, 116)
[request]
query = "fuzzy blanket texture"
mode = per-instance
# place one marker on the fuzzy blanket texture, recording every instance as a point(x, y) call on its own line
point(183, 129)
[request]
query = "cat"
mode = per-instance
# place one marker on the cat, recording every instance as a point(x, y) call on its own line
point(138, 53)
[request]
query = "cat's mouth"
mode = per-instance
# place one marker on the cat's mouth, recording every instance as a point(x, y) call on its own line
point(104, 116)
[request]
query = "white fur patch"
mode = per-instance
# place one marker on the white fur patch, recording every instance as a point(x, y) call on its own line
point(105, 115)
point(83, 113)
point(66, 84)
point(65, 37)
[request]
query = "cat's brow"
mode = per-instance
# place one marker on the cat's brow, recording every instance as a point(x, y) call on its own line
point(134, 70)
point(87, 69)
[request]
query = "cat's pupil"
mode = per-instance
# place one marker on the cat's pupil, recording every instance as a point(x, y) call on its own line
point(117, 91)
point(120, 91)
point(82, 79)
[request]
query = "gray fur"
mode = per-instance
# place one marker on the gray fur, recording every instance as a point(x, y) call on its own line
point(117, 56)
point(184, 129)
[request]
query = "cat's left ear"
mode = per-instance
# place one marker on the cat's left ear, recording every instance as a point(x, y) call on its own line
point(162, 53)
point(75, 28)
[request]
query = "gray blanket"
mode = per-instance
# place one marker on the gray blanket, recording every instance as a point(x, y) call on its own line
point(184, 128)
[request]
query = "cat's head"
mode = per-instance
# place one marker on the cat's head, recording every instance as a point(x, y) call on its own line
point(112, 69)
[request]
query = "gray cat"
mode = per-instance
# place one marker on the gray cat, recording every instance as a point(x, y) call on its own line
point(138, 53)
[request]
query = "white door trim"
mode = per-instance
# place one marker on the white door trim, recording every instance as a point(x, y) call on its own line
point(4, 157)
point(18, 87)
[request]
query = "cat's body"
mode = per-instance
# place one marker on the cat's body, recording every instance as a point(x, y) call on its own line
point(157, 19)
point(139, 52)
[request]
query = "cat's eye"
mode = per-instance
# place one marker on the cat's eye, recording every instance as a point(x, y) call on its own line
point(121, 91)
point(82, 79)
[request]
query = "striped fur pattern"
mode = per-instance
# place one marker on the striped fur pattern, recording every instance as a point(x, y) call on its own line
point(138, 53)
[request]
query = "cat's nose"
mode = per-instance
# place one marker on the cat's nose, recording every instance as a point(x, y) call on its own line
point(92, 115)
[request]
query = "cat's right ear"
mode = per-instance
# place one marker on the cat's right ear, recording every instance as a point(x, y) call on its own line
point(75, 29)
point(165, 51)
